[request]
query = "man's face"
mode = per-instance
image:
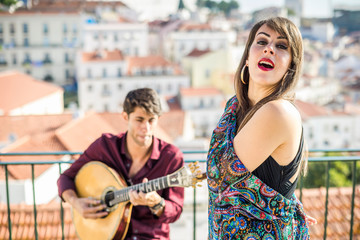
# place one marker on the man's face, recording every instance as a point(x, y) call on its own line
point(141, 127)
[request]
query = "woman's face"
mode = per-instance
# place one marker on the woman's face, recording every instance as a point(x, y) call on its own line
point(269, 57)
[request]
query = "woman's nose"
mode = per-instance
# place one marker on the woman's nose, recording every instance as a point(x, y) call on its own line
point(269, 49)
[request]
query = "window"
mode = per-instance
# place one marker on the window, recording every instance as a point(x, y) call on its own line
point(106, 90)
point(106, 107)
point(1, 41)
point(25, 28)
point(14, 61)
point(66, 58)
point(67, 74)
point(45, 28)
point(207, 73)
point(12, 28)
point(47, 59)
point(201, 105)
point(120, 86)
point(12, 42)
point(1, 28)
point(74, 29)
point(46, 41)
point(2, 60)
point(27, 59)
point(136, 51)
point(26, 42)
point(104, 73)
point(89, 88)
point(119, 72)
point(65, 29)
point(89, 74)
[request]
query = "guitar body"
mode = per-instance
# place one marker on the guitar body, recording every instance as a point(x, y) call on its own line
point(93, 180)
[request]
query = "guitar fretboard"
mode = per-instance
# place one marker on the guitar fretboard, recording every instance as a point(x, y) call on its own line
point(153, 185)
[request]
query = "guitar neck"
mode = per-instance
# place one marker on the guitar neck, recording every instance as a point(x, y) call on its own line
point(150, 186)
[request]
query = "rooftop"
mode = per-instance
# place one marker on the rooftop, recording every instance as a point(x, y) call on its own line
point(15, 82)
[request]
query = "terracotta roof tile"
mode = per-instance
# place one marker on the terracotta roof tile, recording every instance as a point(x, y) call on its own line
point(198, 53)
point(20, 126)
point(173, 123)
point(12, 82)
point(33, 134)
point(339, 206)
point(78, 134)
point(48, 222)
point(195, 27)
point(102, 56)
point(151, 61)
point(56, 7)
point(311, 110)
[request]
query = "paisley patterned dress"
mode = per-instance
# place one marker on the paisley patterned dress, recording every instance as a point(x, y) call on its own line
point(241, 206)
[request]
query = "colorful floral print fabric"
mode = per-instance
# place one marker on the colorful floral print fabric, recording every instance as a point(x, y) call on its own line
point(241, 206)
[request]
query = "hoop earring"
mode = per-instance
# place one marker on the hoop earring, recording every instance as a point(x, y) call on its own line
point(242, 75)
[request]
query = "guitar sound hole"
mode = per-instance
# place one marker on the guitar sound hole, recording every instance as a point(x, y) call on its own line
point(108, 197)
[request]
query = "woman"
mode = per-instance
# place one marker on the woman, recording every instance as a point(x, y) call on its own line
point(255, 154)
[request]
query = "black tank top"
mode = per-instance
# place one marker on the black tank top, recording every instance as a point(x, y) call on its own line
point(278, 177)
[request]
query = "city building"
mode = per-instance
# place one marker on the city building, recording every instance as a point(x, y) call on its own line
point(190, 36)
point(106, 77)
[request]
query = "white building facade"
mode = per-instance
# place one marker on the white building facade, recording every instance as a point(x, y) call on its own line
point(42, 45)
point(130, 38)
point(205, 106)
point(105, 80)
point(180, 43)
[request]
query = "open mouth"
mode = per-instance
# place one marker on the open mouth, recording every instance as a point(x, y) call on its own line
point(266, 64)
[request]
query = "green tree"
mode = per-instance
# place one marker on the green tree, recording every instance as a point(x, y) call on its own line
point(10, 5)
point(340, 173)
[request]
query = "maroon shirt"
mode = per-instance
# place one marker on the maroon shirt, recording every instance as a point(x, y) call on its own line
point(165, 159)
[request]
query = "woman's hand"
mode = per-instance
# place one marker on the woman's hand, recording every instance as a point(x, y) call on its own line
point(310, 220)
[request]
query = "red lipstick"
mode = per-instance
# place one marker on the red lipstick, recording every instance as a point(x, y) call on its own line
point(266, 64)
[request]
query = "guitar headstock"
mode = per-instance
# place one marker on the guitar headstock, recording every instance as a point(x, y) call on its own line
point(187, 176)
point(198, 176)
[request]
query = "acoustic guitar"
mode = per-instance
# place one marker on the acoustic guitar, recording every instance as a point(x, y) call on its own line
point(112, 190)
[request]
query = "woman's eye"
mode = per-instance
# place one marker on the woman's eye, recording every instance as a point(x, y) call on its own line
point(262, 42)
point(282, 46)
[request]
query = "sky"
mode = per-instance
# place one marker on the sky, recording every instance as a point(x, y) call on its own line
point(312, 8)
point(162, 8)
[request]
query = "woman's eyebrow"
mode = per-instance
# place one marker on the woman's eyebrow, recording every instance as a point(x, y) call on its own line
point(268, 35)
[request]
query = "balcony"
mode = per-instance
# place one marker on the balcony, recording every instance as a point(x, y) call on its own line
point(337, 209)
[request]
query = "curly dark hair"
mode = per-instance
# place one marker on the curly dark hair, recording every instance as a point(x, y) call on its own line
point(146, 98)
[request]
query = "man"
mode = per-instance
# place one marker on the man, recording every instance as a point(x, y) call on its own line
point(138, 156)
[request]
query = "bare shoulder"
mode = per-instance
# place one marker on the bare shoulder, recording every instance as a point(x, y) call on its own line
point(280, 112)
